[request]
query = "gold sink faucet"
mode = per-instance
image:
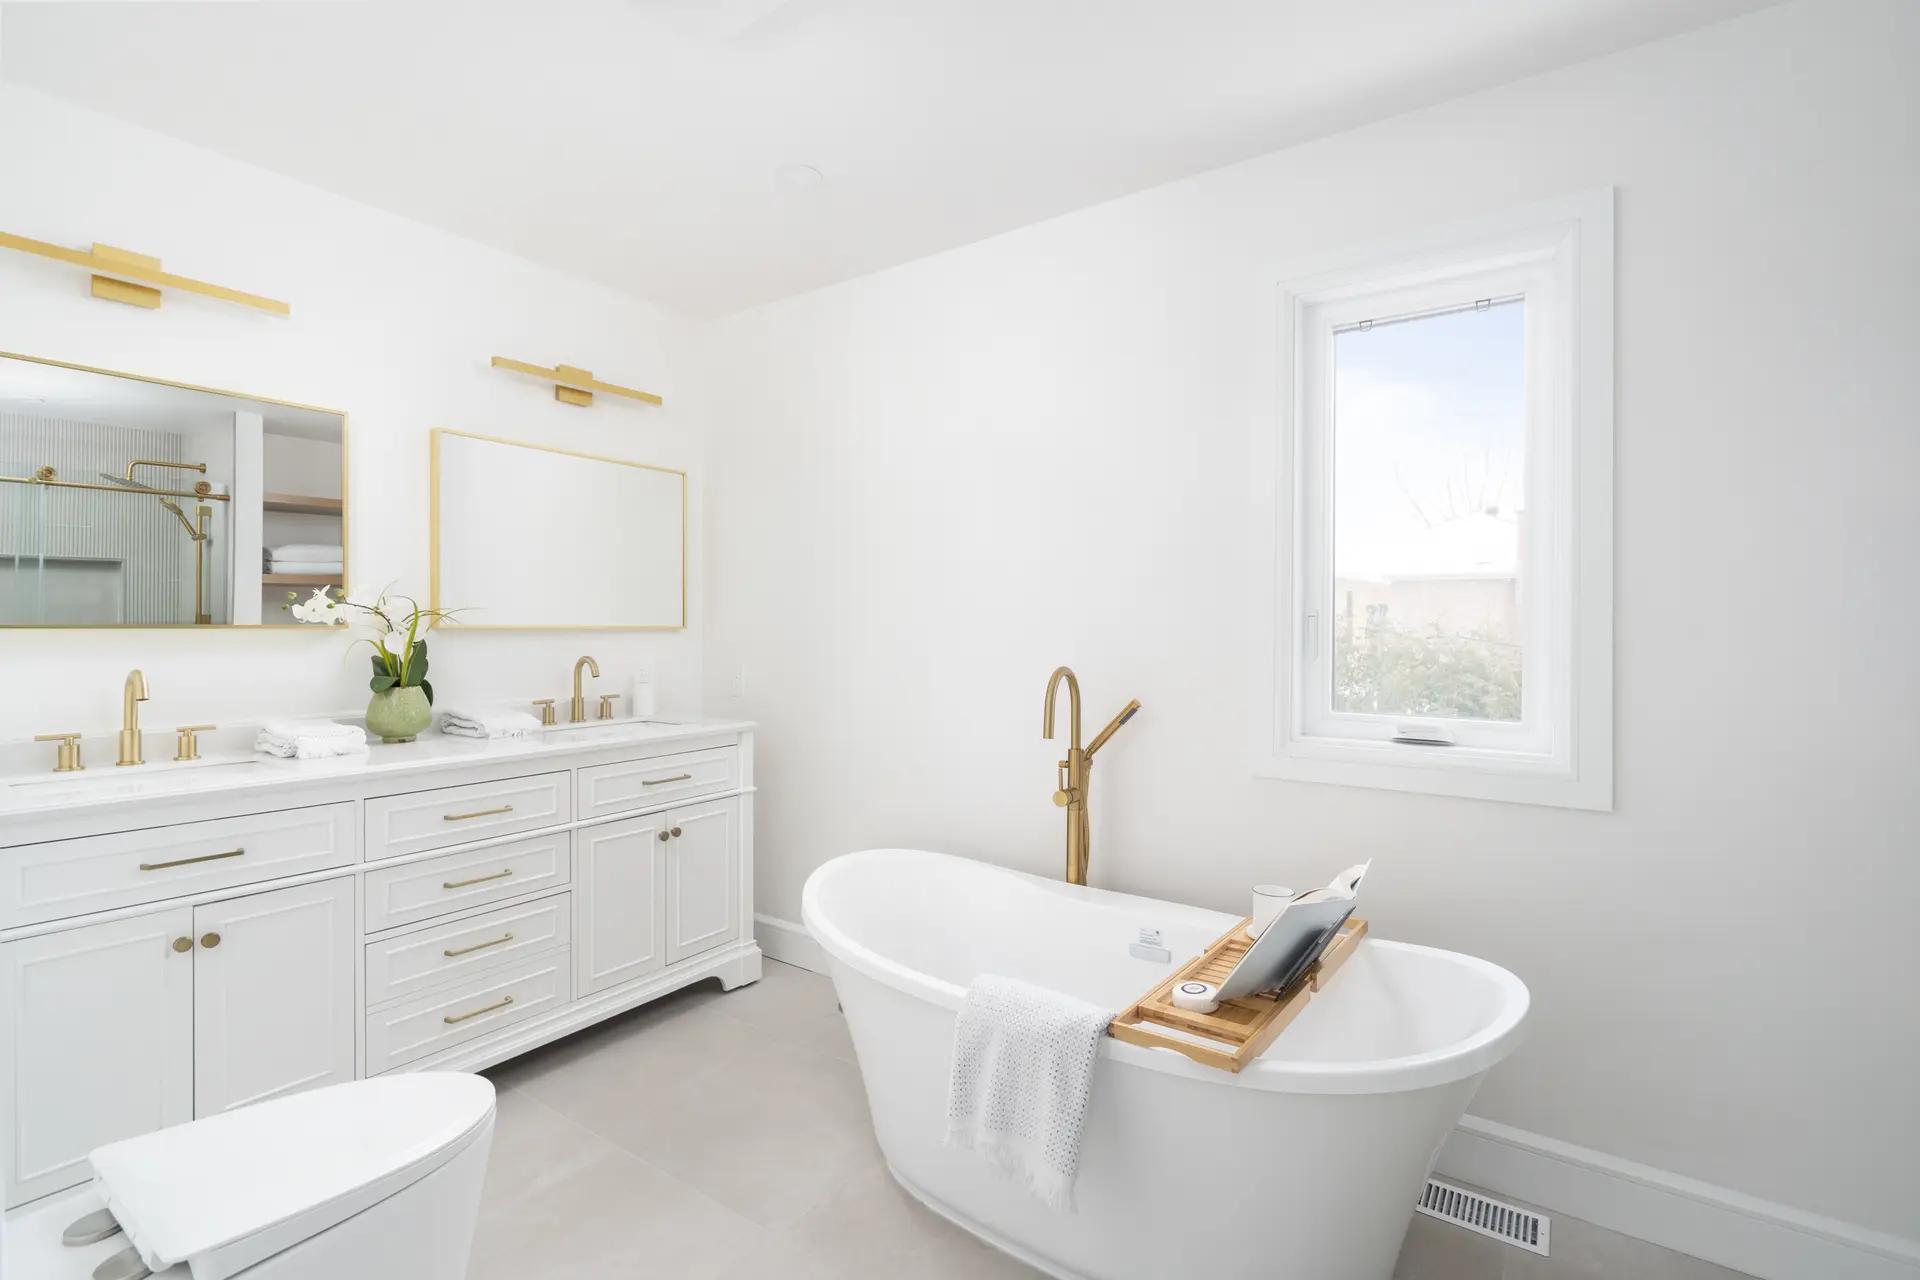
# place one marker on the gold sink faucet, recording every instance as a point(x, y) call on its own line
point(579, 707)
point(1076, 771)
point(132, 696)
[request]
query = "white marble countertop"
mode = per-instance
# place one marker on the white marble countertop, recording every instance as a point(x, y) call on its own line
point(233, 771)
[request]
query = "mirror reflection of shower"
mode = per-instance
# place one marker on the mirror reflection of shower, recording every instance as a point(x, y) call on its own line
point(197, 534)
point(128, 501)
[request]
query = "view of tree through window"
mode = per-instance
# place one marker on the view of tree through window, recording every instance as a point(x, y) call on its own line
point(1429, 435)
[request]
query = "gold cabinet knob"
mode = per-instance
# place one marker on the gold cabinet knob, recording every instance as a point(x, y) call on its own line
point(676, 831)
point(183, 945)
point(188, 745)
point(209, 940)
point(67, 757)
point(665, 836)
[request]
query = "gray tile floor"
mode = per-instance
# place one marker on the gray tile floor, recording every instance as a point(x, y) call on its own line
point(724, 1136)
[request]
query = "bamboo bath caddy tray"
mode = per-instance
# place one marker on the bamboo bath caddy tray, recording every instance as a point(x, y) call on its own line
point(1241, 1028)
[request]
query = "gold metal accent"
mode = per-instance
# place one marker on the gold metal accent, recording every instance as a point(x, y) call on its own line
point(133, 693)
point(433, 533)
point(577, 709)
point(209, 940)
point(606, 705)
point(187, 862)
point(477, 813)
point(665, 835)
point(67, 755)
point(461, 884)
point(546, 710)
point(661, 782)
point(183, 945)
point(573, 385)
point(136, 266)
point(187, 746)
point(676, 833)
point(453, 1018)
point(451, 952)
point(1076, 771)
point(49, 477)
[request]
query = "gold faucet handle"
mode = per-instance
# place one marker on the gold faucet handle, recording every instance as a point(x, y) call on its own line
point(606, 705)
point(67, 758)
point(188, 747)
point(546, 710)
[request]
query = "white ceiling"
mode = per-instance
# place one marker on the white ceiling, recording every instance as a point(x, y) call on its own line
point(636, 141)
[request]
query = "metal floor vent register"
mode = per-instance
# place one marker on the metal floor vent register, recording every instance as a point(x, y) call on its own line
point(1475, 1212)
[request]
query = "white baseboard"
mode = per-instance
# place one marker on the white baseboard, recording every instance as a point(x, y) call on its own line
point(1762, 1238)
point(789, 943)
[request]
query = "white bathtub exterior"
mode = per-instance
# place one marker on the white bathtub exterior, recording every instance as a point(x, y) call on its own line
point(1306, 1165)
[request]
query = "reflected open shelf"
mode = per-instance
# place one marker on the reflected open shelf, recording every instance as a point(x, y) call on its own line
point(302, 504)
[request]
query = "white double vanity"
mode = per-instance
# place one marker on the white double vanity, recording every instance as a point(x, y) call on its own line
point(194, 939)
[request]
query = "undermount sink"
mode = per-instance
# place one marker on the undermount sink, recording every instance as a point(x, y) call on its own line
point(110, 780)
point(618, 722)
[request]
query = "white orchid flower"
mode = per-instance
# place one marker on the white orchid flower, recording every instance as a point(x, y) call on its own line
point(394, 643)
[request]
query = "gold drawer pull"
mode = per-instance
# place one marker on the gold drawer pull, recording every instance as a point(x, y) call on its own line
point(477, 813)
point(461, 884)
point(453, 1018)
point(451, 952)
point(183, 862)
point(654, 782)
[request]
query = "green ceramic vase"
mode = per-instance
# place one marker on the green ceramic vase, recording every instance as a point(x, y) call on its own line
point(398, 715)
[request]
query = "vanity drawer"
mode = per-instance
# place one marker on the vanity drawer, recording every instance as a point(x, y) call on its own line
point(419, 891)
point(95, 873)
point(642, 784)
point(415, 962)
point(499, 998)
point(423, 820)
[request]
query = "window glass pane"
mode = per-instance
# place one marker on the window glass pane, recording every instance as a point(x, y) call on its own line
point(1429, 435)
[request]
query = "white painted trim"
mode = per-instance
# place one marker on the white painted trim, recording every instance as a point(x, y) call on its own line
point(1760, 1237)
point(789, 943)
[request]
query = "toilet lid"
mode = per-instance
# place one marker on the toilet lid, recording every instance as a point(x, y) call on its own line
point(224, 1192)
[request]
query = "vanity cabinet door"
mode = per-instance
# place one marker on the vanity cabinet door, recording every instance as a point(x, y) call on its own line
point(273, 1009)
point(703, 878)
point(102, 1024)
point(620, 871)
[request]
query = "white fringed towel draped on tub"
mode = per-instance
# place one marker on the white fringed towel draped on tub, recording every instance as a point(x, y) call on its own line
point(1022, 1070)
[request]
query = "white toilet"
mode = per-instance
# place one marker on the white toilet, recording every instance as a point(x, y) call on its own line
point(376, 1180)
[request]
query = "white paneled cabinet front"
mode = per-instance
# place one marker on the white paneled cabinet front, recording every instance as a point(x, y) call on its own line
point(622, 875)
point(199, 952)
point(703, 878)
point(273, 1009)
point(100, 1020)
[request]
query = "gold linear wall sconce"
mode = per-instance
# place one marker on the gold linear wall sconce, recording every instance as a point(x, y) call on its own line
point(107, 263)
point(574, 386)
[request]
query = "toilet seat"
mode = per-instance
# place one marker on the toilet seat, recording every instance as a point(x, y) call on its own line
point(223, 1193)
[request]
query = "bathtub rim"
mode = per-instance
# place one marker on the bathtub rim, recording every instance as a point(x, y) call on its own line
point(1463, 1058)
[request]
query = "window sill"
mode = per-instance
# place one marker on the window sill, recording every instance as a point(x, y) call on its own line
point(1444, 771)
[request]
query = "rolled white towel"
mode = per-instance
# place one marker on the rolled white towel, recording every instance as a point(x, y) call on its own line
point(310, 739)
point(488, 724)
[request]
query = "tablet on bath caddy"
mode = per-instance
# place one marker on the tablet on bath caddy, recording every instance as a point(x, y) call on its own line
point(1284, 951)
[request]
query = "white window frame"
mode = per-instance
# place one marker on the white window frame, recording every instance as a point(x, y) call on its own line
point(1560, 256)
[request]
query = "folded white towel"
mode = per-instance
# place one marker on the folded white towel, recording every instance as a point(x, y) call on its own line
point(310, 739)
point(304, 567)
point(1022, 1068)
point(488, 724)
point(305, 551)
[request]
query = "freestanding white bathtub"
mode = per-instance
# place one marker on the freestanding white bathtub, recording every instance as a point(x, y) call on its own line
point(1305, 1166)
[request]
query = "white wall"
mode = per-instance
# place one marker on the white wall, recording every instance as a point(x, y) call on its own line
point(942, 480)
point(392, 322)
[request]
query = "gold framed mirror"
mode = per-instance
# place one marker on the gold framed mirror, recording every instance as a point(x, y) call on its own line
point(134, 501)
